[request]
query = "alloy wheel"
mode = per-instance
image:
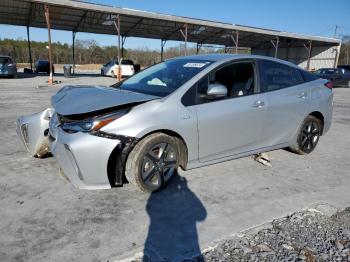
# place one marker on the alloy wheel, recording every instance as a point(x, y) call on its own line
point(158, 165)
point(309, 136)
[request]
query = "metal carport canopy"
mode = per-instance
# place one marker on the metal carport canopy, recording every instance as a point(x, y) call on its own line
point(77, 16)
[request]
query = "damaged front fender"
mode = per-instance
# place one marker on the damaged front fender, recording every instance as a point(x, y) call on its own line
point(33, 132)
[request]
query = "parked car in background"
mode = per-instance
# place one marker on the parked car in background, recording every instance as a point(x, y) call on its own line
point(7, 66)
point(111, 68)
point(340, 77)
point(185, 112)
point(43, 66)
point(347, 67)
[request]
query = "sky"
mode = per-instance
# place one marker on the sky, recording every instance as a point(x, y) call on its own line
point(313, 17)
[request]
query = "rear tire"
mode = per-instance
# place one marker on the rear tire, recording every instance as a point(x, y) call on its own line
point(308, 136)
point(153, 162)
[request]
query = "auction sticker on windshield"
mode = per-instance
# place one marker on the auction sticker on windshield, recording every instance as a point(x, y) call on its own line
point(195, 65)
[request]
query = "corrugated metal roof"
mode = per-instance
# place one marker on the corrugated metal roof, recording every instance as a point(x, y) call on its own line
point(86, 17)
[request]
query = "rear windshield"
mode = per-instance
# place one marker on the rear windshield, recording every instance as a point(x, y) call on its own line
point(164, 78)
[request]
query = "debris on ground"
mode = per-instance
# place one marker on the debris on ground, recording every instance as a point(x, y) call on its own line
point(310, 235)
point(263, 158)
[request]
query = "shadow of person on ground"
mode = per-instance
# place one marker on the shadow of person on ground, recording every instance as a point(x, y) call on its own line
point(174, 213)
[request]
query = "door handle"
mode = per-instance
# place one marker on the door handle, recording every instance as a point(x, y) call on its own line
point(302, 95)
point(259, 104)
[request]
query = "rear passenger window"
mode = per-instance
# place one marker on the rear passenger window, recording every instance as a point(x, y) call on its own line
point(275, 76)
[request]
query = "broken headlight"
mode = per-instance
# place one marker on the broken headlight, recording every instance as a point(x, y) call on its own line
point(92, 124)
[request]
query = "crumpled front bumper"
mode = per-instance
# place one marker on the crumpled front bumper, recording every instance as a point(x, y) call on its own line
point(83, 158)
point(31, 130)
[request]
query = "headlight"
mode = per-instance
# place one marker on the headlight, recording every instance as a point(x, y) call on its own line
point(92, 124)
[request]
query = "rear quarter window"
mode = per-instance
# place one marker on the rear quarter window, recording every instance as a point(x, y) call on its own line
point(275, 76)
point(307, 76)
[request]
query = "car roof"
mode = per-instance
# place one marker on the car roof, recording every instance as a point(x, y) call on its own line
point(232, 57)
point(6, 56)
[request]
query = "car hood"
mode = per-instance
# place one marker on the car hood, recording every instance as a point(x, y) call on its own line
point(74, 100)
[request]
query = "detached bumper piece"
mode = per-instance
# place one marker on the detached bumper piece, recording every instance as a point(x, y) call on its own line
point(33, 132)
point(117, 160)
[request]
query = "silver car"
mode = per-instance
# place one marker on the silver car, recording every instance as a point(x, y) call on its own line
point(186, 112)
point(7, 66)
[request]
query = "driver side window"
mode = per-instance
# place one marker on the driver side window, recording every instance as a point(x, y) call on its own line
point(238, 78)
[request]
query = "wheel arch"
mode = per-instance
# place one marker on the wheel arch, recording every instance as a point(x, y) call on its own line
point(320, 117)
point(118, 157)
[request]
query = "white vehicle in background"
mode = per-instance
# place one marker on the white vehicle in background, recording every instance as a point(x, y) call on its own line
point(111, 68)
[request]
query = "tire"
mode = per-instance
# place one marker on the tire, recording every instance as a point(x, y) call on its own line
point(153, 162)
point(102, 73)
point(308, 136)
point(112, 74)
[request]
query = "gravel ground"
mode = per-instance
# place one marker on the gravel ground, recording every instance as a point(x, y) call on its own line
point(310, 235)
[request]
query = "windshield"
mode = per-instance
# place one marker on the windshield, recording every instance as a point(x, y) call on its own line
point(164, 78)
point(4, 60)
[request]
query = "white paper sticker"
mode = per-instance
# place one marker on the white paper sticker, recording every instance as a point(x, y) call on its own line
point(195, 65)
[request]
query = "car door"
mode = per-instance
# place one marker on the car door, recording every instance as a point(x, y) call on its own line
point(337, 78)
point(231, 125)
point(287, 101)
point(344, 77)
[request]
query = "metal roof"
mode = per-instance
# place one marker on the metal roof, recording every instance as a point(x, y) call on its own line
point(80, 16)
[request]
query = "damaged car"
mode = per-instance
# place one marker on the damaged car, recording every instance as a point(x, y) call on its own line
point(185, 112)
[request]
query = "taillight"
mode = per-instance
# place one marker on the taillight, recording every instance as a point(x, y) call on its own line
point(329, 84)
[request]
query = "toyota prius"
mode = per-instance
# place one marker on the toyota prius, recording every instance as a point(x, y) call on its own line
point(185, 112)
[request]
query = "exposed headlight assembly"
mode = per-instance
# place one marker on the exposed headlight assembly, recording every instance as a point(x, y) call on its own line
point(93, 124)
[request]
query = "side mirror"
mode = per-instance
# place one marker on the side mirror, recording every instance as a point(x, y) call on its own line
point(216, 91)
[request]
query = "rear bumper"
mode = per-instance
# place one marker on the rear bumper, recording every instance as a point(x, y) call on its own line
point(328, 114)
point(83, 158)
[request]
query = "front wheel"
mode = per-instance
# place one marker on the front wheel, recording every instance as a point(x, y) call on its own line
point(309, 134)
point(153, 162)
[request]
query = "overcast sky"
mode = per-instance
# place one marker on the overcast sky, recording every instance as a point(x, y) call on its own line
point(314, 17)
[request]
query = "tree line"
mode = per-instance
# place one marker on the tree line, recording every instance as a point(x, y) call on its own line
point(86, 52)
point(90, 52)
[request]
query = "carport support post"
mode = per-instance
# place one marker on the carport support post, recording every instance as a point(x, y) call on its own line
point(117, 26)
point(47, 16)
point(123, 42)
point(309, 51)
point(275, 44)
point(184, 34)
point(30, 50)
point(162, 44)
point(235, 37)
point(199, 46)
point(73, 49)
